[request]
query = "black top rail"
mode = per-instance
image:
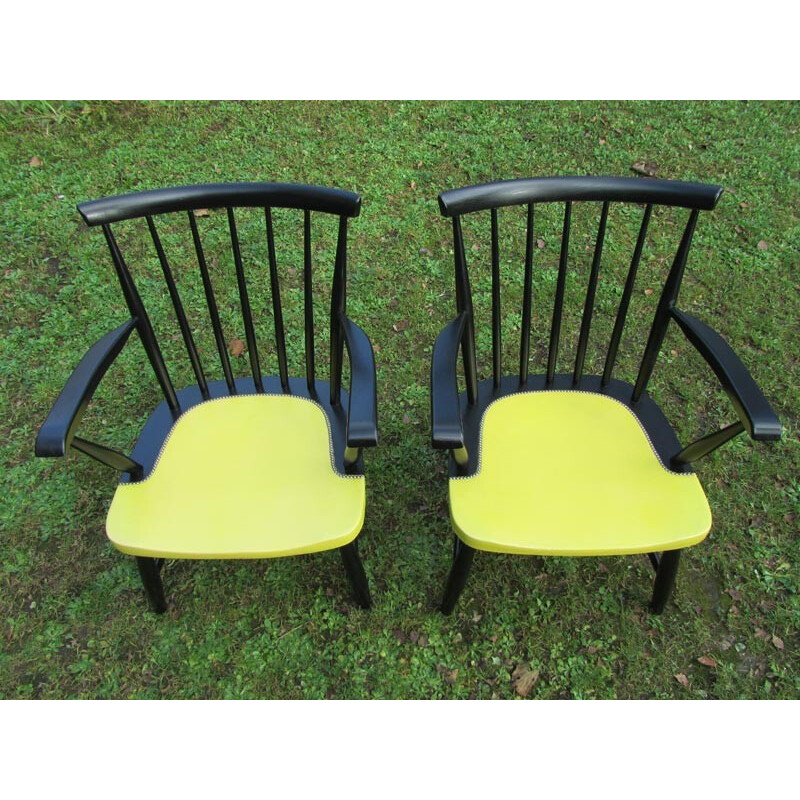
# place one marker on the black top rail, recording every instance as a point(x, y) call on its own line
point(220, 195)
point(701, 196)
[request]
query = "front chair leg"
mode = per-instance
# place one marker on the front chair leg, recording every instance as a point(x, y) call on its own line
point(665, 579)
point(462, 561)
point(355, 573)
point(150, 570)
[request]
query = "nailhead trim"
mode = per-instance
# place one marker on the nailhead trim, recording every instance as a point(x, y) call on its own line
point(234, 397)
point(566, 391)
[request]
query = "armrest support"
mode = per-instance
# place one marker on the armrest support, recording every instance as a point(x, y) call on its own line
point(56, 434)
point(448, 431)
point(362, 412)
point(755, 413)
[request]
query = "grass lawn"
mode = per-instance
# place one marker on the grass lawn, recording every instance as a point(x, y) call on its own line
point(74, 616)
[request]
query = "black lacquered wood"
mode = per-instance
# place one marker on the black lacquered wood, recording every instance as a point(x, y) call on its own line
point(356, 575)
point(211, 302)
point(362, 414)
point(625, 302)
point(137, 309)
point(558, 304)
point(525, 335)
point(338, 307)
point(578, 188)
point(707, 444)
point(445, 414)
point(244, 300)
point(220, 195)
point(464, 303)
point(755, 412)
point(457, 419)
point(108, 456)
point(668, 297)
point(277, 309)
point(497, 346)
point(183, 323)
point(665, 579)
point(457, 579)
point(308, 301)
point(149, 571)
point(57, 431)
point(591, 291)
point(351, 416)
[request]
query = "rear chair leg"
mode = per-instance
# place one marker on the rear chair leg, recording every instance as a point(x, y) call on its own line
point(355, 573)
point(462, 561)
point(665, 579)
point(150, 570)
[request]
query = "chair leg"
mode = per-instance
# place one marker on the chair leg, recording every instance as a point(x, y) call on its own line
point(356, 575)
point(462, 561)
point(150, 570)
point(665, 579)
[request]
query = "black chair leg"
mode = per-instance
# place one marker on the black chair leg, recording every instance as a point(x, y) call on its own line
point(356, 575)
point(150, 570)
point(665, 579)
point(462, 561)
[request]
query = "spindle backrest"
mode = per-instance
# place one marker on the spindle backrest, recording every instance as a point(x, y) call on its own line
point(150, 205)
point(606, 191)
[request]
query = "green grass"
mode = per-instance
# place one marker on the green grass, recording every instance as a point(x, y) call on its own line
point(74, 617)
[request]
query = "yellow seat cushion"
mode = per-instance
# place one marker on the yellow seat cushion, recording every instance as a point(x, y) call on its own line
point(573, 473)
point(248, 476)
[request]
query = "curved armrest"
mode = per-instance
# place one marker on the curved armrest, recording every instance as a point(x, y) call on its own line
point(448, 431)
point(56, 434)
point(755, 413)
point(362, 413)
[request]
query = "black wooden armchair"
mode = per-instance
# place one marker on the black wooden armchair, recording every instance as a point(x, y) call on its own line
point(242, 467)
point(568, 463)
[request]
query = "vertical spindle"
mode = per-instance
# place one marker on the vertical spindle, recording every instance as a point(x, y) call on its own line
point(588, 307)
point(558, 305)
point(183, 323)
point(212, 306)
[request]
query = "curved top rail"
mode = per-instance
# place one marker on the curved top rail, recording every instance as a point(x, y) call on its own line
point(220, 195)
point(540, 190)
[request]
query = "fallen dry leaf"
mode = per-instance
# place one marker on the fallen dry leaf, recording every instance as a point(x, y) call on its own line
point(646, 168)
point(601, 141)
point(400, 326)
point(761, 633)
point(523, 679)
point(778, 642)
point(35, 162)
point(236, 347)
point(201, 212)
point(450, 677)
point(707, 661)
point(762, 245)
point(682, 679)
point(540, 243)
point(648, 292)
